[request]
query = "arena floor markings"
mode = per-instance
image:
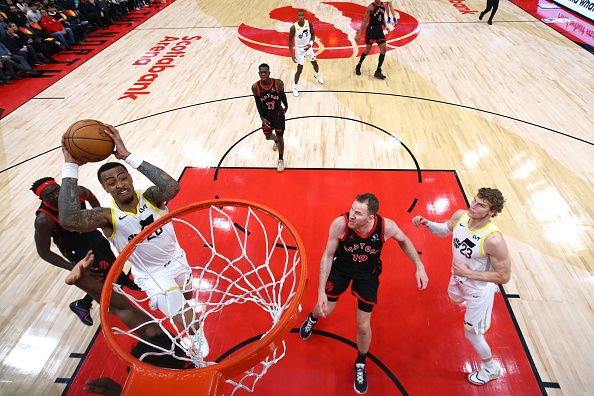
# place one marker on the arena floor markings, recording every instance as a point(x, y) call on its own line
point(418, 343)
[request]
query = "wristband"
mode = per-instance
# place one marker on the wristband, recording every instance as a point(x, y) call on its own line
point(69, 170)
point(439, 229)
point(134, 160)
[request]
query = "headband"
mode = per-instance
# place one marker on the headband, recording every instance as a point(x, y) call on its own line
point(43, 185)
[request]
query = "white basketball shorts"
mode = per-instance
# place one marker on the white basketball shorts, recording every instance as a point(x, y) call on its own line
point(301, 55)
point(479, 303)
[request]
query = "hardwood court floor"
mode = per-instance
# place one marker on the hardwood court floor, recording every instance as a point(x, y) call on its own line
point(504, 105)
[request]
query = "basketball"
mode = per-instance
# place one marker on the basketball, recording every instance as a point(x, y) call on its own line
point(87, 141)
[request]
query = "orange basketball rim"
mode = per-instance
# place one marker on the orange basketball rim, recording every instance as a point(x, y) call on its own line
point(145, 379)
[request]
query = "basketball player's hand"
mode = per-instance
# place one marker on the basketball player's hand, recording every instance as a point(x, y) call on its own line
point(265, 121)
point(461, 269)
point(294, 59)
point(422, 278)
point(80, 268)
point(357, 37)
point(103, 386)
point(307, 47)
point(419, 220)
point(69, 158)
point(322, 304)
point(120, 151)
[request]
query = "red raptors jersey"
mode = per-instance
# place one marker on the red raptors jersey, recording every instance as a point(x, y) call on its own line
point(357, 255)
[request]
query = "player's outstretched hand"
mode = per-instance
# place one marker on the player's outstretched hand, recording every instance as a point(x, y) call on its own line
point(419, 220)
point(120, 151)
point(79, 268)
point(422, 278)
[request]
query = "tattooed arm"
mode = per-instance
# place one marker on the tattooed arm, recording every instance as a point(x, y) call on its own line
point(72, 217)
point(165, 188)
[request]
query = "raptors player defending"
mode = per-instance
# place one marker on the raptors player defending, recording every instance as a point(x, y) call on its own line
point(159, 263)
point(352, 257)
point(375, 15)
point(480, 261)
point(270, 97)
point(302, 34)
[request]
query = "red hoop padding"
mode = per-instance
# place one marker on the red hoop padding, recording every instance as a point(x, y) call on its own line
point(145, 379)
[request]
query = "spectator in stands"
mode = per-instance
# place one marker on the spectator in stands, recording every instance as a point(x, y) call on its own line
point(16, 15)
point(79, 28)
point(19, 62)
point(18, 45)
point(55, 29)
point(22, 5)
point(34, 15)
point(92, 12)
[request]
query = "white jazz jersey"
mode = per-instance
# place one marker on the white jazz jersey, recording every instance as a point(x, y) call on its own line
point(467, 246)
point(155, 252)
point(302, 34)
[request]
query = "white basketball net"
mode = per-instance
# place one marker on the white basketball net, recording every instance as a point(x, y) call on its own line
point(239, 266)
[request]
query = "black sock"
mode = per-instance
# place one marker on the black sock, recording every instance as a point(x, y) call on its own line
point(311, 317)
point(362, 58)
point(85, 302)
point(381, 61)
point(361, 358)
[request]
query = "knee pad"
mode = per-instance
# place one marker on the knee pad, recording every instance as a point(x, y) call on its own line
point(478, 342)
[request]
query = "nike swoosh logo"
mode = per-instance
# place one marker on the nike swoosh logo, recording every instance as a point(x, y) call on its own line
point(123, 217)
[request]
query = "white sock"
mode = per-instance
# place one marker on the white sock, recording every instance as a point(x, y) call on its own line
point(490, 366)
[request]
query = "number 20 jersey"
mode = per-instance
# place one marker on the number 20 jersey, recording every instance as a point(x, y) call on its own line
point(467, 246)
point(358, 256)
point(156, 251)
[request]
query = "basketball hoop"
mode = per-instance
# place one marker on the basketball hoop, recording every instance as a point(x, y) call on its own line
point(249, 269)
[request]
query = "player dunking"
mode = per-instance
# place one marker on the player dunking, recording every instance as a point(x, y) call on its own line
point(303, 35)
point(480, 261)
point(352, 257)
point(269, 94)
point(159, 264)
point(375, 14)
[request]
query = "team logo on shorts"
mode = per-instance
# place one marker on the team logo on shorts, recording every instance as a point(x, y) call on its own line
point(331, 42)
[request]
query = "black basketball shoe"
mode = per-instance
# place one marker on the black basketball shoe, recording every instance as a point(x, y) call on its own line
point(360, 378)
point(307, 327)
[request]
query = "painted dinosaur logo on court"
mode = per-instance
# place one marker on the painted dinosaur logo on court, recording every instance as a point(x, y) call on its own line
point(331, 42)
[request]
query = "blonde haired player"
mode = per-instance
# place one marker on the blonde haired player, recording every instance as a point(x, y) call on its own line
point(302, 36)
point(480, 262)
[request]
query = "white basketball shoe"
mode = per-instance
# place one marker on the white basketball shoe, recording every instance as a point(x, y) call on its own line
point(482, 376)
